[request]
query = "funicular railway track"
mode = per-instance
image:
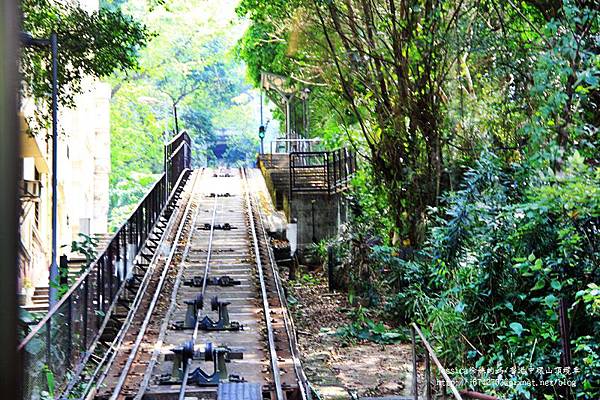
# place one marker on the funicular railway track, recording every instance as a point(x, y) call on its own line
point(124, 356)
point(211, 322)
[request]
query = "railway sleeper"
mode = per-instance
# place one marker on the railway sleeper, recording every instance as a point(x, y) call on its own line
point(220, 356)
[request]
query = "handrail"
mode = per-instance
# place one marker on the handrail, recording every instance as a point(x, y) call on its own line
point(288, 142)
point(64, 337)
point(321, 171)
point(430, 353)
point(94, 263)
point(176, 137)
point(459, 395)
point(177, 150)
point(298, 140)
point(82, 276)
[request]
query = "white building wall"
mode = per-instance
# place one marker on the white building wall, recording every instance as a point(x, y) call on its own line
point(83, 177)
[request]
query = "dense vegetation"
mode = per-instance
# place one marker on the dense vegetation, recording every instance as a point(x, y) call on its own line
point(477, 209)
point(188, 79)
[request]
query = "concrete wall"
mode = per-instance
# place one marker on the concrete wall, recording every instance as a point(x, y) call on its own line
point(329, 211)
point(87, 165)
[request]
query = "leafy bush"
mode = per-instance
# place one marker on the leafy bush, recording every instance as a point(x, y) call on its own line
point(365, 329)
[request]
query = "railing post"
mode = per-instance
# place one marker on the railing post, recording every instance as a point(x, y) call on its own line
point(414, 364)
point(125, 255)
point(112, 266)
point(292, 176)
point(345, 165)
point(86, 294)
point(48, 343)
point(70, 330)
point(427, 377)
point(334, 170)
point(326, 170)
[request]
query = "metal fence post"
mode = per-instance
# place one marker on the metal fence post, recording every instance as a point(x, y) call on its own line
point(427, 377)
point(414, 364)
point(335, 158)
point(292, 171)
point(70, 330)
point(326, 170)
point(86, 293)
point(330, 267)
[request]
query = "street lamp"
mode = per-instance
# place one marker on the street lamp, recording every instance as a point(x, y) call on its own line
point(28, 40)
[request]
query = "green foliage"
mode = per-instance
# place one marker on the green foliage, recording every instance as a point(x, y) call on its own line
point(566, 81)
point(188, 68)
point(364, 328)
point(310, 279)
point(89, 44)
point(482, 249)
point(241, 150)
point(497, 265)
point(50, 381)
point(87, 247)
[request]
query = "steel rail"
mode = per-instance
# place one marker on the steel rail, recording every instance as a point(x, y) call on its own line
point(209, 250)
point(142, 332)
point(288, 322)
point(184, 379)
point(172, 306)
point(116, 344)
point(266, 309)
point(184, 256)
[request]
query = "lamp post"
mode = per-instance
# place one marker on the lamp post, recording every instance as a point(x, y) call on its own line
point(28, 40)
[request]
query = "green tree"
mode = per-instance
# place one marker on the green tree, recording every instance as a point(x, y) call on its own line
point(89, 44)
point(189, 66)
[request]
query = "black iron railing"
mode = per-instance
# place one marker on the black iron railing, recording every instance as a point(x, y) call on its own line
point(55, 349)
point(321, 171)
point(178, 156)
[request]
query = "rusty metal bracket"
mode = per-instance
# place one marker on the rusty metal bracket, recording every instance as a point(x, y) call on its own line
point(193, 306)
point(220, 356)
point(207, 323)
point(223, 324)
point(224, 227)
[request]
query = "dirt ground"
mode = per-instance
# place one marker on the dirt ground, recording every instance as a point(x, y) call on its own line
point(338, 369)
